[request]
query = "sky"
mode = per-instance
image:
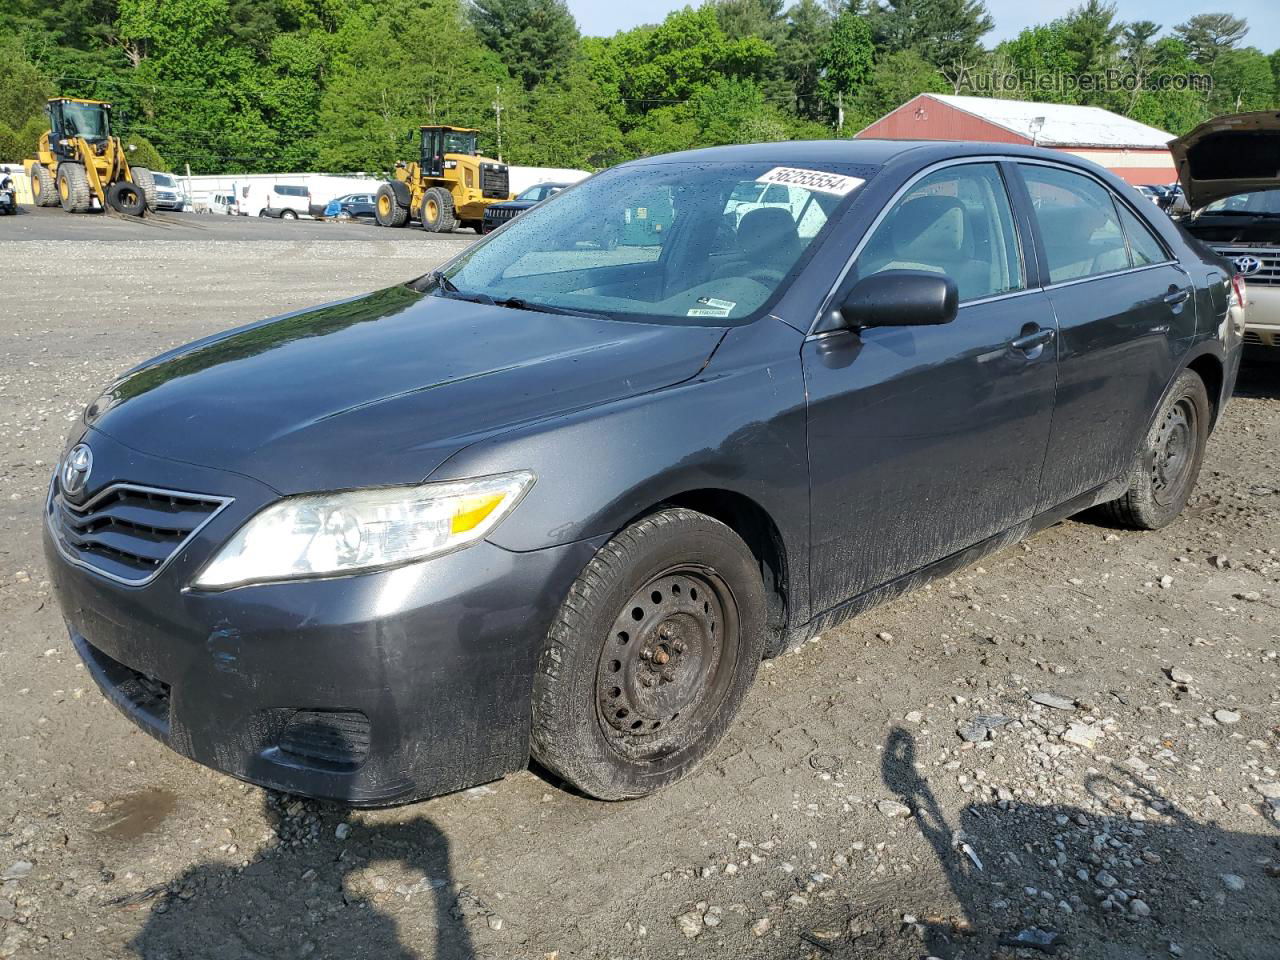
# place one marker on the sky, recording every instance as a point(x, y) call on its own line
point(605, 17)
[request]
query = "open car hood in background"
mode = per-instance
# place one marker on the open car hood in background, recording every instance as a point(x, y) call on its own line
point(1231, 154)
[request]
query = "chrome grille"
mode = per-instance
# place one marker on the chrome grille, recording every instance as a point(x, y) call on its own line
point(1268, 275)
point(128, 532)
point(500, 214)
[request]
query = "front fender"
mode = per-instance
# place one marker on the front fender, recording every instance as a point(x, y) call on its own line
point(738, 426)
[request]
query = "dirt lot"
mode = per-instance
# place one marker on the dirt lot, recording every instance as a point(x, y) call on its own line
point(844, 816)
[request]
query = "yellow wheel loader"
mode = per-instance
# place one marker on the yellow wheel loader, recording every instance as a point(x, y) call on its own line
point(78, 161)
point(449, 186)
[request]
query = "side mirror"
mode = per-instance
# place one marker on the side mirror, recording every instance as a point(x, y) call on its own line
point(896, 298)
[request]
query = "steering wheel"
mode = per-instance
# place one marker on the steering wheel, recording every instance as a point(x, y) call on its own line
point(765, 276)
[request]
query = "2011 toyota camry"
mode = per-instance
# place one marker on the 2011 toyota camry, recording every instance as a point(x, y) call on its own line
point(560, 497)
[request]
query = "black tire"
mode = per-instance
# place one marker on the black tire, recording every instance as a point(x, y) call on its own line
point(387, 210)
point(44, 192)
point(147, 183)
point(73, 188)
point(649, 656)
point(127, 198)
point(1167, 466)
point(288, 215)
point(437, 213)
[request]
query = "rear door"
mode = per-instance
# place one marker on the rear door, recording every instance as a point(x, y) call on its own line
point(1122, 304)
point(927, 440)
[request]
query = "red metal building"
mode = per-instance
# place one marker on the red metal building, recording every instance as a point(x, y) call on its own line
point(1132, 150)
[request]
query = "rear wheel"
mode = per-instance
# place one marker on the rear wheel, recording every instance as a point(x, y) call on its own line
point(146, 183)
point(127, 198)
point(1166, 469)
point(73, 188)
point(43, 190)
point(649, 656)
point(437, 213)
point(387, 210)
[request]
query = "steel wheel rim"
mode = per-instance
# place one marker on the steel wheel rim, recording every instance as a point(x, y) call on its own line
point(433, 211)
point(1174, 450)
point(384, 206)
point(64, 190)
point(667, 664)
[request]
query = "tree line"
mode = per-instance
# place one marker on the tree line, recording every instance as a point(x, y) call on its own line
point(342, 85)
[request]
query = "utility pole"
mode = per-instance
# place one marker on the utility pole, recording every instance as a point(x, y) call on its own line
point(497, 114)
point(839, 114)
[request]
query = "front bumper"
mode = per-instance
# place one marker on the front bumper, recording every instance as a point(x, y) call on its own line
point(1262, 315)
point(369, 690)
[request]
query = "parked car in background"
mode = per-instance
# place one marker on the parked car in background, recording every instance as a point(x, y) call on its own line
point(1153, 194)
point(169, 192)
point(354, 206)
point(559, 501)
point(1228, 173)
point(222, 203)
point(496, 214)
point(283, 201)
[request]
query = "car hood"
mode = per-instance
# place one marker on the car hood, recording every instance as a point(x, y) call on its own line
point(1237, 153)
point(384, 388)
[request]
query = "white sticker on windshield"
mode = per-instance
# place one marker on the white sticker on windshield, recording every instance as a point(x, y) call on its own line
point(818, 180)
point(711, 307)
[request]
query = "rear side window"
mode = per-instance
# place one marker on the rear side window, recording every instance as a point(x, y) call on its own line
point(1143, 245)
point(1078, 222)
point(956, 221)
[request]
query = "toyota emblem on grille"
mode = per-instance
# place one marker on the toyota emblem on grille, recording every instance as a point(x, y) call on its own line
point(75, 470)
point(1247, 265)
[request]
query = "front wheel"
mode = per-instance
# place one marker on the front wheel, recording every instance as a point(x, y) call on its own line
point(1168, 465)
point(288, 215)
point(650, 656)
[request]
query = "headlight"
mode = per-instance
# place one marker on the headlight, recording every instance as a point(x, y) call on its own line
point(319, 535)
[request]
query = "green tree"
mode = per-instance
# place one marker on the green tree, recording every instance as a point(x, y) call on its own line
point(1174, 110)
point(380, 88)
point(1242, 81)
point(1040, 51)
point(566, 122)
point(674, 60)
point(1207, 35)
point(845, 60)
point(808, 29)
point(943, 32)
point(896, 79)
point(24, 88)
point(533, 37)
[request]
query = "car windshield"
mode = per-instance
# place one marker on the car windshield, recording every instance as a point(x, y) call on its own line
point(660, 241)
point(162, 179)
point(1252, 203)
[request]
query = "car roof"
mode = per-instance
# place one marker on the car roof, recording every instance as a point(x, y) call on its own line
point(868, 152)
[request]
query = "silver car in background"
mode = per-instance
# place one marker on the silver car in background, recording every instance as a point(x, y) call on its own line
point(169, 192)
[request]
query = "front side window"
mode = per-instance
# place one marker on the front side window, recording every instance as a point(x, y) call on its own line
point(1078, 223)
point(670, 241)
point(956, 221)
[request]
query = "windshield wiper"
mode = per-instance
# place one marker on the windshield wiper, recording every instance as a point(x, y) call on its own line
point(450, 289)
point(519, 303)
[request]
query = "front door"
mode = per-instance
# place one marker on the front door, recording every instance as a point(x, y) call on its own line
point(927, 440)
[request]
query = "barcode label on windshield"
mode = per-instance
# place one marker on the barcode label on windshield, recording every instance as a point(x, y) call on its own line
point(818, 180)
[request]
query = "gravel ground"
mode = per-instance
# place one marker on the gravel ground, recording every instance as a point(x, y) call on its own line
point(1078, 740)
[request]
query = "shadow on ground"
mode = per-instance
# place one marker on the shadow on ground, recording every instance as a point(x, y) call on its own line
point(312, 897)
point(1162, 876)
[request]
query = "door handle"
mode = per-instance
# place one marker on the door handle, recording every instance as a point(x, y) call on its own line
point(1036, 338)
point(1176, 296)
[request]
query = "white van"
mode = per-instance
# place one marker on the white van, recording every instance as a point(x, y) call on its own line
point(224, 203)
point(284, 201)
